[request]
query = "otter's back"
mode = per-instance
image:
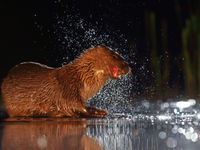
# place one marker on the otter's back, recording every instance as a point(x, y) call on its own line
point(26, 74)
point(22, 82)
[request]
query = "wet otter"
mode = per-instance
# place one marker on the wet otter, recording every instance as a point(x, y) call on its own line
point(33, 89)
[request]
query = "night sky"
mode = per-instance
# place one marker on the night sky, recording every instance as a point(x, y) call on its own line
point(30, 29)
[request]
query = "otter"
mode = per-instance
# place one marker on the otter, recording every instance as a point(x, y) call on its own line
point(35, 90)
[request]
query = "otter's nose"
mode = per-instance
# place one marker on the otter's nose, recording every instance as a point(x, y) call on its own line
point(123, 72)
point(125, 69)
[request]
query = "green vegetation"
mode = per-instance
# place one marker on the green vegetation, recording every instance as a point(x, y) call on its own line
point(189, 57)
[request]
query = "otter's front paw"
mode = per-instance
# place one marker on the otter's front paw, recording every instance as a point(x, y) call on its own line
point(96, 112)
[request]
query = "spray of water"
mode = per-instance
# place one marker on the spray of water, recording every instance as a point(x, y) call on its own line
point(73, 35)
point(132, 118)
point(115, 96)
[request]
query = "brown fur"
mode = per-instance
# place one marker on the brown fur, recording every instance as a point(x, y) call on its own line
point(32, 89)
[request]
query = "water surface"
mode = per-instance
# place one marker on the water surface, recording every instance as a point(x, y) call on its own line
point(166, 126)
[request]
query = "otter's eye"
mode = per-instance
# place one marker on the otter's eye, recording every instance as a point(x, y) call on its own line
point(115, 56)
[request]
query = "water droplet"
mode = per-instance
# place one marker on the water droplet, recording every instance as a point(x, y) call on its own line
point(175, 129)
point(194, 137)
point(181, 130)
point(162, 135)
point(188, 135)
point(175, 111)
point(171, 142)
point(146, 104)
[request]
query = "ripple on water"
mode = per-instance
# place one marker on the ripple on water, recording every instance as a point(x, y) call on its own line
point(174, 125)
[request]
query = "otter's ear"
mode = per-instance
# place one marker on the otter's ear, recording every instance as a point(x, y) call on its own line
point(101, 47)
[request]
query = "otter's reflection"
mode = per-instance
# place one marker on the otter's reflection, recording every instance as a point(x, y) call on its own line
point(50, 135)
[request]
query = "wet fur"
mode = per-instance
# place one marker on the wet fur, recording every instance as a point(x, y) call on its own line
point(32, 89)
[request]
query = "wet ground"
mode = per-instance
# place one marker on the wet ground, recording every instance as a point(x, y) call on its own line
point(175, 125)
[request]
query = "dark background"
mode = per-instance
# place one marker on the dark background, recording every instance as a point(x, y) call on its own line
point(27, 32)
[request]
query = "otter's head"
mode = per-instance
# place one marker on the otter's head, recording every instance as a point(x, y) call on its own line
point(113, 63)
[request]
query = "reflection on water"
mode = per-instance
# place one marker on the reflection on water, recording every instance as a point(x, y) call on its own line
point(50, 134)
point(160, 125)
point(126, 134)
